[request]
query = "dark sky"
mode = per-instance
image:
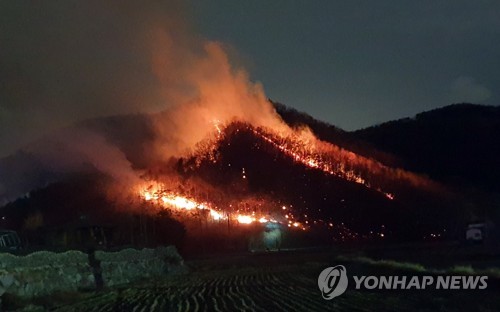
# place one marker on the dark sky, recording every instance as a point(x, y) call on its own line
point(358, 63)
point(351, 63)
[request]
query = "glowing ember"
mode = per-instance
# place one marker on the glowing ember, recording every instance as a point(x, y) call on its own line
point(215, 215)
point(389, 195)
point(245, 219)
point(181, 202)
point(147, 196)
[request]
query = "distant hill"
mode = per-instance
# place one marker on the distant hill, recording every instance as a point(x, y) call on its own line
point(457, 144)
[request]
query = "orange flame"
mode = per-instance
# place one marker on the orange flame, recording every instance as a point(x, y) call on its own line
point(180, 202)
point(311, 157)
point(168, 200)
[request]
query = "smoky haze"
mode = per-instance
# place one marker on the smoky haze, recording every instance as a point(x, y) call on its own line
point(65, 61)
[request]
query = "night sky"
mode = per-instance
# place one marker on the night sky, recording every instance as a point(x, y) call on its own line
point(358, 63)
point(351, 63)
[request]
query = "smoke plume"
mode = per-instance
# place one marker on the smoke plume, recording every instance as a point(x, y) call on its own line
point(65, 61)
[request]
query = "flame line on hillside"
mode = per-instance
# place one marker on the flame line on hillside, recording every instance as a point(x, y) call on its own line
point(315, 163)
point(168, 200)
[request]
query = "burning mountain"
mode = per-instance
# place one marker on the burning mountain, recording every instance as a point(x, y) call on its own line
point(310, 181)
point(207, 142)
point(243, 174)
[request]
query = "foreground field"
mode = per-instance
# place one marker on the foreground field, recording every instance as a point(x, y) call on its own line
point(284, 281)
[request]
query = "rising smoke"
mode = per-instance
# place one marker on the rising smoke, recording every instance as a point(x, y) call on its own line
point(65, 61)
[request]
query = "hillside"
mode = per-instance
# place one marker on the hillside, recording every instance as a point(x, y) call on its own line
point(456, 144)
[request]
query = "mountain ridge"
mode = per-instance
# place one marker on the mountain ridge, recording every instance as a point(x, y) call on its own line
point(453, 144)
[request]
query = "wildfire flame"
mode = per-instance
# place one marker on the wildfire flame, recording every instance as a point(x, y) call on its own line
point(245, 219)
point(309, 156)
point(179, 202)
point(168, 200)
